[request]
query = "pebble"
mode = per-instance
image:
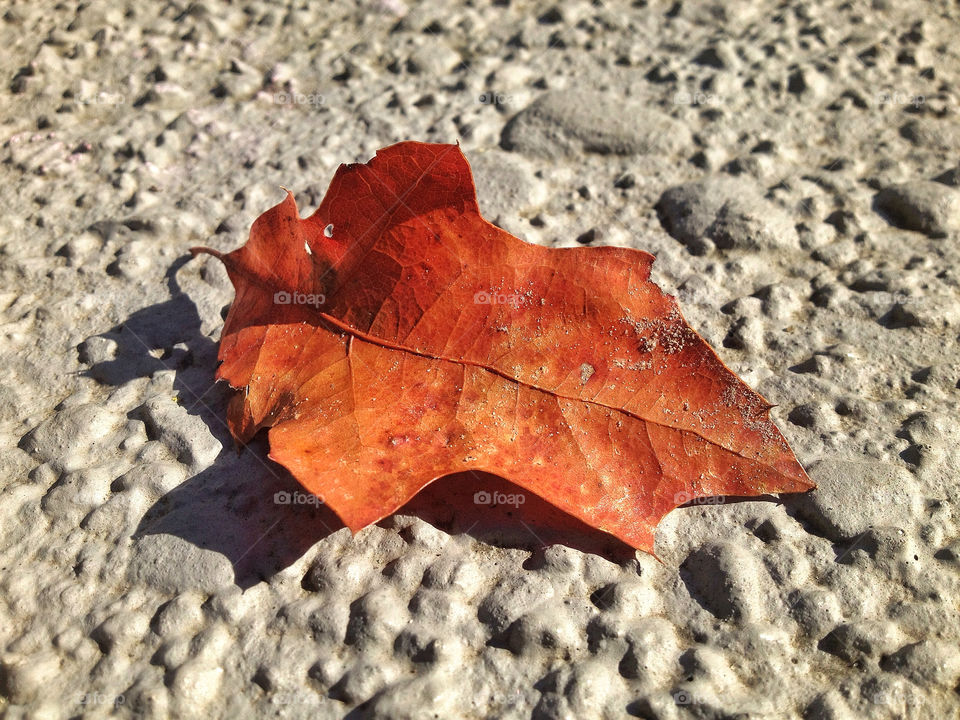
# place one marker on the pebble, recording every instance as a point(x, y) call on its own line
point(587, 689)
point(77, 493)
point(181, 616)
point(922, 205)
point(865, 639)
point(329, 623)
point(451, 571)
point(628, 599)
point(931, 133)
point(153, 479)
point(118, 516)
point(407, 700)
point(853, 496)
point(376, 618)
point(726, 213)
point(69, 438)
point(186, 435)
point(931, 311)
point(196, 684)
point(725, 579)
point(514, 596)
point(362, 681)
point(549, 630)
point(121, 630)
point(653, 649)
point(434, 59)
point(828, 706)
point(815, 610)
point(173, 565)
point(929, 661)
point(506, 185)
point(566, 122)
point(339, 571)
point(23, 679)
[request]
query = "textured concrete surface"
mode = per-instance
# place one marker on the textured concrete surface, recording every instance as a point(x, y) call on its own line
point(794, 167)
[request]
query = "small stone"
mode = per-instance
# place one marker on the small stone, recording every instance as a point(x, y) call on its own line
point(24, 678)
point(120, 630)
point(181, 616)
point(148, 699)
point(360, 682)
point(779, 301)
point(653, 650)
point(97, 349)
point(409, 700)
point(333, 570)
point(816, 611)
point(926, 662)
point(828, 706)
point(725, 213)
point(375, 618)
point(195, 684)
point(545, 629)
point(153, 479)
point(433, 58)
point(80, 248)
point(170, 564)
point(591, 687)
point(932, 133)
point(330, 622)
point(928, 310)
point(568, 122)
point(727, 580)
point(187, 436)
point(514, 596)
point(861, 640)
point(77, 493)
point(71, 435)
point(506, 185)
point(922, 205)
point(746, 334)
point(820, 417)
point(852, 496)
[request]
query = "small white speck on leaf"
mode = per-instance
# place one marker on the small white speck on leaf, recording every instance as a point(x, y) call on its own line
point(586, 372)
point(307, 248)
point(328, 230)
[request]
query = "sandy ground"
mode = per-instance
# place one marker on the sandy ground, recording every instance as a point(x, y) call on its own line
point(794, 168)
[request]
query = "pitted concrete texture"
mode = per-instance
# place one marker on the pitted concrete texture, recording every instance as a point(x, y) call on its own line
point(793, 167)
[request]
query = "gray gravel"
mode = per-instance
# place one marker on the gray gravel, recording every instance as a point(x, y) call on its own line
point(792, 166)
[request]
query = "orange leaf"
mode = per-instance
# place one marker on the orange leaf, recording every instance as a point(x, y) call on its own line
point(395, 336)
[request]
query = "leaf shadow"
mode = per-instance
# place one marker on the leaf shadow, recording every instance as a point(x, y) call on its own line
point(231, 507)
point(163, 337)
point(495, 511)
point(247, 509)
point(228, 508)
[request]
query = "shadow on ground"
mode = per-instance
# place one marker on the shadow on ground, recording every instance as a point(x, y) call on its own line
point(236, 506)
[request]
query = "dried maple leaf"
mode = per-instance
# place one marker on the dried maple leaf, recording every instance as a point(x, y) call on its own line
point(395, 336)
